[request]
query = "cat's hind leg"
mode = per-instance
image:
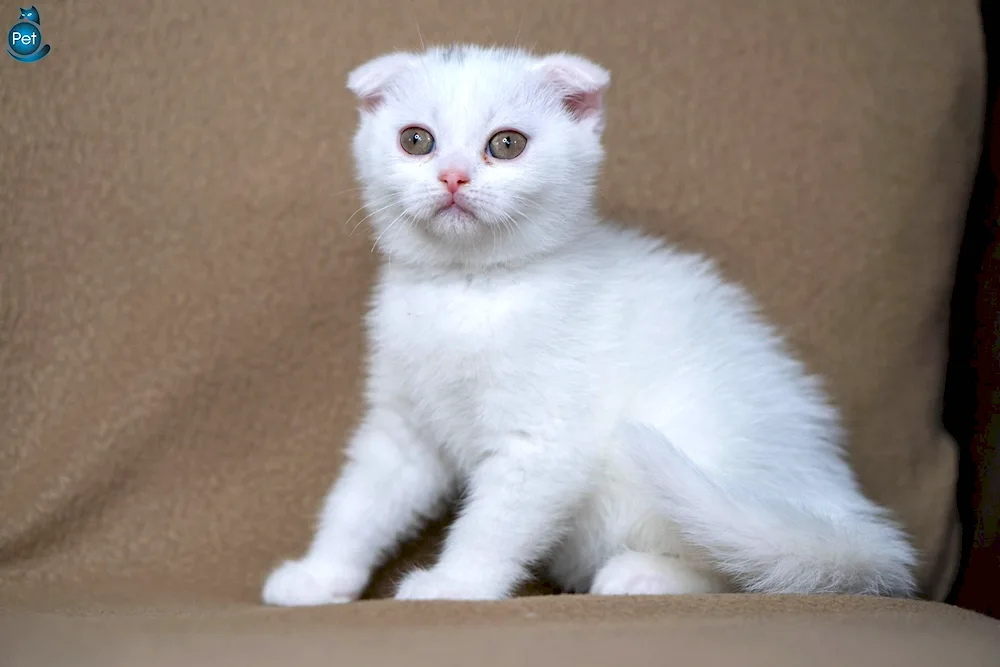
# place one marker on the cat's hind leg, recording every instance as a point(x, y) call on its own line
point(640, 573)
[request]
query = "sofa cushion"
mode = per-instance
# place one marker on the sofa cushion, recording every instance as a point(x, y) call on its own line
point(181, 291)
point(556, 630)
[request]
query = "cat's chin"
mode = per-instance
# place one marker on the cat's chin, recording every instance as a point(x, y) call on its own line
point(455, 223)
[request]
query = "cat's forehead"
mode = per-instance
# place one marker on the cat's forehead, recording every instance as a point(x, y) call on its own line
point(466, 62)
point(470, 81)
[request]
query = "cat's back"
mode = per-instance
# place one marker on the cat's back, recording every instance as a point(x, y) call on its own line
point(695, 345)
point(658, 282)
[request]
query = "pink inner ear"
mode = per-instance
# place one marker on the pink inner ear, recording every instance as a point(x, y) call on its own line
point(583, 104)
point(370, 102)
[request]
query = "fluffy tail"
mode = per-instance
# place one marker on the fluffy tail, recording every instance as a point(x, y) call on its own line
point(771, 544)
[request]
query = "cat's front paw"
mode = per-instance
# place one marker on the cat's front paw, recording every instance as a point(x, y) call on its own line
point(307, 583)
point(434, 584)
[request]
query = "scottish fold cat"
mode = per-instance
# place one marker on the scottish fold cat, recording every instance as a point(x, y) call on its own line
point(599, 403)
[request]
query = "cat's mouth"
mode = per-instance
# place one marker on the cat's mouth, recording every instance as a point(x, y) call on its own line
point(453, 207)
point(454, 219)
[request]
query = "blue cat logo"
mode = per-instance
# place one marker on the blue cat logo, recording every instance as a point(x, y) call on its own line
point(31, 15)
point(24, 41)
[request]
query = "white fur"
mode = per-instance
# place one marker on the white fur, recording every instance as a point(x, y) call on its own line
point(604, 404)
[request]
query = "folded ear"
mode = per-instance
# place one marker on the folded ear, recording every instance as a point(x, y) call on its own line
point(369, 81)
point(580, 82)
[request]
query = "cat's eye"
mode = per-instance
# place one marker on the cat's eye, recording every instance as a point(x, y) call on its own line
point(416, 141)
point(506, 145)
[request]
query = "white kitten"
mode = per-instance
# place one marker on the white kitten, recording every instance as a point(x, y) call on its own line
point(606, 405)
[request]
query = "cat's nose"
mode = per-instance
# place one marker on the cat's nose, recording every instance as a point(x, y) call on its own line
point(454, 179)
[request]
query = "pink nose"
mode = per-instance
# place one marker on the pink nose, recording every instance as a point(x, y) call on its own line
point(454, 179)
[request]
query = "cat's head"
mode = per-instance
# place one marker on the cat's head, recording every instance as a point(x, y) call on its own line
point(477, 156)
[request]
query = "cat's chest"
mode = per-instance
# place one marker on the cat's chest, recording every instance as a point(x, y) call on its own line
point(464, 356)
point(450, 324)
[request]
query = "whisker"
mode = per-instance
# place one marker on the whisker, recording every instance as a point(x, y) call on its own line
point(379, 238)
point(358, 210)
point(509, 223)
point(523, 200)
point(417, 24)
point(374, 201)
point(614, 213)
point(344, 192)
point(409, 220)
point(515, 223)
point(376, 211)
point(365, 206)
